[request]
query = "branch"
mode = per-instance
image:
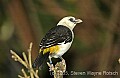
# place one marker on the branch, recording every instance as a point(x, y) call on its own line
point(59, 69)
point(26, 61)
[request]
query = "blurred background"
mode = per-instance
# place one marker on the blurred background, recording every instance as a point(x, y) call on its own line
point(96, 46)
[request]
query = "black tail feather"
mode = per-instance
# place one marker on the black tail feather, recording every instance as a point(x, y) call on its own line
point(40, 60)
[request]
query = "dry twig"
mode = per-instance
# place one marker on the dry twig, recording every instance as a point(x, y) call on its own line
point(59, 69)
point(27, 63)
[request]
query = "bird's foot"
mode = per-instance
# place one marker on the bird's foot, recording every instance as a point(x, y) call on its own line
point(51, 67)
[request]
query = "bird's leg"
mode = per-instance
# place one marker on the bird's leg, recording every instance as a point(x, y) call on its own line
point(51, 65)
point(61, 57)
point(50, 60)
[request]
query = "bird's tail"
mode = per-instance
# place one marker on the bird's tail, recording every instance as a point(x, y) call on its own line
point(40, 60)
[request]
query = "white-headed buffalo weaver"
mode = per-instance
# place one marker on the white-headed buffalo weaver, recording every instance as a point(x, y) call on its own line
point(56, 41)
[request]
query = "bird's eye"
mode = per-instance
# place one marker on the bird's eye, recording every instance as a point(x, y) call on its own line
point(71, 19)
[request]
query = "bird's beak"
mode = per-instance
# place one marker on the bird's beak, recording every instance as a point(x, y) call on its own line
point(78, 21)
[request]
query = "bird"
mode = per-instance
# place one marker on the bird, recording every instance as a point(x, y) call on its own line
point(56, 41)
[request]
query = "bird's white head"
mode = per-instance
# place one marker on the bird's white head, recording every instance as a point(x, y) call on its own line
point(69, 22)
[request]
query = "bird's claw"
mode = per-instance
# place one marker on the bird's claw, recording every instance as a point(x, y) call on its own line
point(51, 67)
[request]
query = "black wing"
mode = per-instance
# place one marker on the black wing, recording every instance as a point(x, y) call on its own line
point(55, 36)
